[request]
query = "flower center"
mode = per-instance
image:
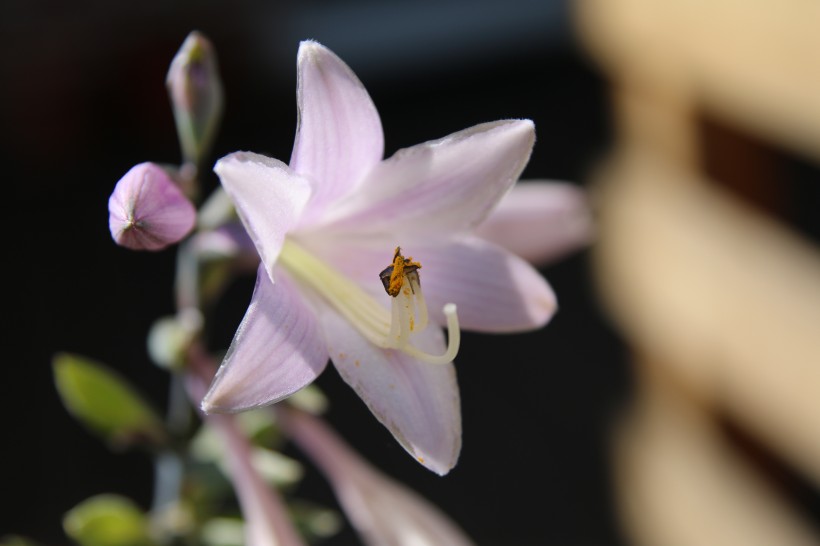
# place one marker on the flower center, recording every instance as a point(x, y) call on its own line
point(388, 330)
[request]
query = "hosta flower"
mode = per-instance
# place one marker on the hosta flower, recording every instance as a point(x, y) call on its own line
point(331, 221)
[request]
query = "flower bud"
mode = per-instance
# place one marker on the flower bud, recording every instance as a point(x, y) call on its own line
point(170, 337)
point(147, 211)
point(196, 96)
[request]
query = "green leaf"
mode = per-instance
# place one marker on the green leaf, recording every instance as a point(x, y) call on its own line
point(104, 402)
point(107, 520)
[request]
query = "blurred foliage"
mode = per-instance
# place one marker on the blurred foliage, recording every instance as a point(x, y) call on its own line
point(105, 403)
point(276, 469)
point(310, 399)
point(107, 520)
point(16, 540)
point(223, 532)
point(315, 522)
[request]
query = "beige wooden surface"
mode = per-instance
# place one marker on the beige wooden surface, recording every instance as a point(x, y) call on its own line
point(753, 62)
point(719, 301)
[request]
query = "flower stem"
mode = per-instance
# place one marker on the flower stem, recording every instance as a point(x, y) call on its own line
point(168, 465)
point(186, 283)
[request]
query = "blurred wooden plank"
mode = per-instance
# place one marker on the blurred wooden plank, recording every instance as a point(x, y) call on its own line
point(753, 62)
point(727, 298)
point(681, 484)
point(660, 119)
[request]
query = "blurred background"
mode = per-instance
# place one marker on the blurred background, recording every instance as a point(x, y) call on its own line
point(673, 398)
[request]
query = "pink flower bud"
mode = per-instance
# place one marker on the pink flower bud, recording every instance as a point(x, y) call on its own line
point(147, 211)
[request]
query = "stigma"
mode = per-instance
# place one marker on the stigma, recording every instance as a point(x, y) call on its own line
point(394, 329)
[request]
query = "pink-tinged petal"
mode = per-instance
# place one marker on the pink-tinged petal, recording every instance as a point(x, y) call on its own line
point(339, 137)
point(277, 350)
point(439, 187)
point(269, 199)
point(147, 211)
point(229, 241)
point(381, 510)
point(495, 290)
point(540, 221)
point(417, 402)
point(226, 241)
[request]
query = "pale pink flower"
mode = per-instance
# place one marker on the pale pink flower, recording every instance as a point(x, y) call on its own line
point(384, 512)
point(148, 211)
point(328, 223)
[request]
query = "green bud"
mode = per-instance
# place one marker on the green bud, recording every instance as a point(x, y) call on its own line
point(170, 337)
point(196, 96)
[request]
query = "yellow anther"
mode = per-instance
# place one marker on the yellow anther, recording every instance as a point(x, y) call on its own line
point(393, 275)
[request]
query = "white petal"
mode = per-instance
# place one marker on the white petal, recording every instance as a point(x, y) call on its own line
point(339, 137)
point(438, 187)
point(495, 290)
point(276, 351)
point(416, 401)
point(540, 221)
point(268, 196)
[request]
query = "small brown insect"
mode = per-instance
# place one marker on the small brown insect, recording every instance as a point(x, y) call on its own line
point(392, 276)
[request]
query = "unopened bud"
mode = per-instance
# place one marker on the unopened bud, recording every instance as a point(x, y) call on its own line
point(196, 96)
point(147, 211)
point(171, 336)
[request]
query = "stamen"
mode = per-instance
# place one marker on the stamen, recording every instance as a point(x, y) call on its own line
point(409, 310)
point(402, 304)
point(393, 330)
point(421, 305)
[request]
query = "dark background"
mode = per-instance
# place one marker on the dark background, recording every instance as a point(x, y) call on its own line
point(83, 99)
